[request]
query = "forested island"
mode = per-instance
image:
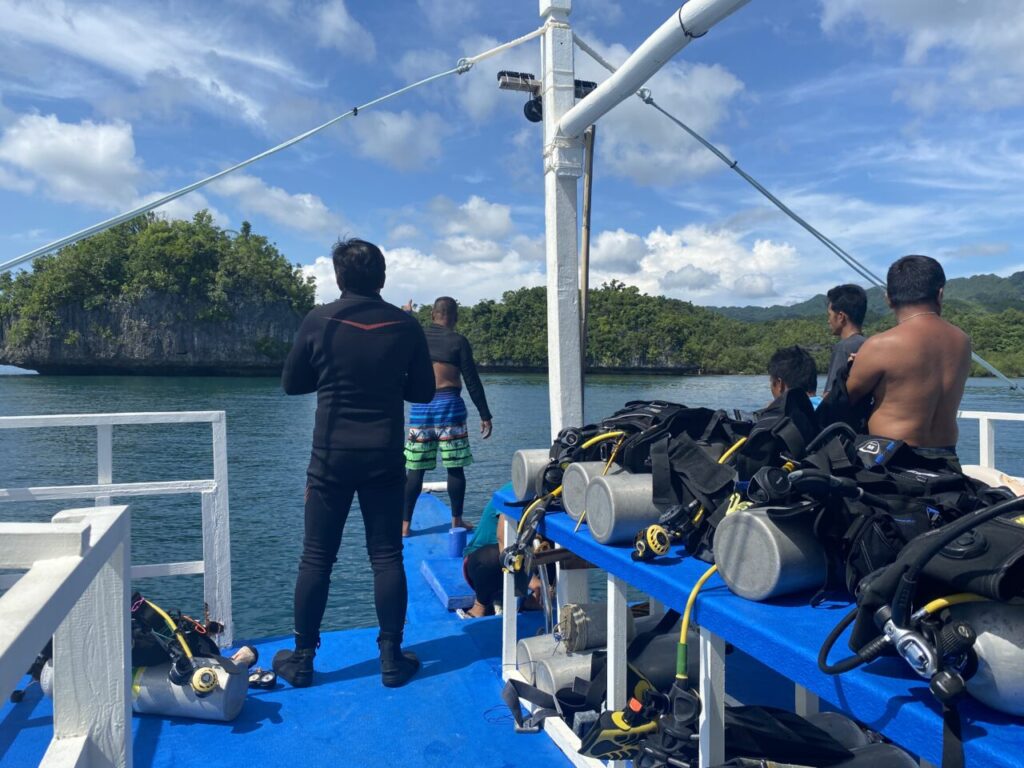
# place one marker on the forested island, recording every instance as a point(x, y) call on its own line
point(153, 296)
point(188, 297)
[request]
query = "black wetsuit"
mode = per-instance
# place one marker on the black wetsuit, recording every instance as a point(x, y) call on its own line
point(363, 357)
point(447, 346)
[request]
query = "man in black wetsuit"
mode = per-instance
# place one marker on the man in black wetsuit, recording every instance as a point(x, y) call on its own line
point(363, 357)
point(442, 422)
point(847, 306)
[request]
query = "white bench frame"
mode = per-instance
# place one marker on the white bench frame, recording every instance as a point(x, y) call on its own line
point(76, 590)
point(216, 563)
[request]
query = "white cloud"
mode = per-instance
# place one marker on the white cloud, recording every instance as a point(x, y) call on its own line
point(337, 29)
point(986, 38)
point(14, 182)
point(635, 142)
point(617, 251)
point(467, 249)
point(402, 233)
point(86, 162)
point(424, 276)
point(697, 263)
point(303, 211)
point(476, 217)
point(444, 15)
point(404, 140)
point(184, 55)
point(754, 285)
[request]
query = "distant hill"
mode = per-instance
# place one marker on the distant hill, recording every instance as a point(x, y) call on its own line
point(980, 293)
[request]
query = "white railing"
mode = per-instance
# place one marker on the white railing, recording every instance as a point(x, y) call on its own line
point(75, 591)
point(216, 563)
point(987, 432)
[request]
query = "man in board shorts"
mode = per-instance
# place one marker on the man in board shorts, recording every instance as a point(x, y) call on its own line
point(441, 423)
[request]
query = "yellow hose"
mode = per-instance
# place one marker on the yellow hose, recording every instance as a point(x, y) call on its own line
point(945, 602)
point(606, 436)
point(173, 627)
point(685, 626)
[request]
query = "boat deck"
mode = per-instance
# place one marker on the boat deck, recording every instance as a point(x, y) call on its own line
point(451, 710)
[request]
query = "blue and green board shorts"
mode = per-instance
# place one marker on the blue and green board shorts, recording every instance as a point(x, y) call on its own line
point(439, 423)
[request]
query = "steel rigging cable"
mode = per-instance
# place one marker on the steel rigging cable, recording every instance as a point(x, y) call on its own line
point(644, 95)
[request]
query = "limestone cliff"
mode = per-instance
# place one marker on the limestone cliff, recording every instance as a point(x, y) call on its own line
point(159, 334)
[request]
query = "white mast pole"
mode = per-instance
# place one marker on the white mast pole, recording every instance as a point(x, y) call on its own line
point(563, 166)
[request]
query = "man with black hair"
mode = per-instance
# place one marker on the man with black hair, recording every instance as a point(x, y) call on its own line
point(362, 357)
point(916, 372)
point(847, 306)
point(442, 422)
point(793, 368)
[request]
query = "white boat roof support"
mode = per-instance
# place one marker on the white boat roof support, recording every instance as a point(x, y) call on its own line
point(563, 166)
point(691, 21)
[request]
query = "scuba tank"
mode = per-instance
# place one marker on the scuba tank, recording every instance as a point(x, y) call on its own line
point(216, 690)
point(528, 472)
point(999, 629)
point(575, 481)
point(618, 506)
point(177, 667)
point(761, 556)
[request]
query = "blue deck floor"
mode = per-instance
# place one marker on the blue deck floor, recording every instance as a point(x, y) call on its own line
point(450, 711)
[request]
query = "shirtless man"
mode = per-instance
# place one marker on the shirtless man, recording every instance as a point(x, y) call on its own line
point(441, 423)
point(916, 372)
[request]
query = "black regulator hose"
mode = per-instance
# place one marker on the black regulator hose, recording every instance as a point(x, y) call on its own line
point(902, 597)
point(869, 652)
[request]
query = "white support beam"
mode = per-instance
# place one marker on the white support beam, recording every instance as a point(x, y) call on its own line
point(617, 642)
point(509, 608)
point(184, 568)
point(91, 697)
point(805, 702)
point(563, 166)
point(711, 741)
point(691, 21)
point(96, 419)
point(67, 753)
point(986, 443)
point(572, 585)
point(104, 459)
point(65, 492)
point(24, 543)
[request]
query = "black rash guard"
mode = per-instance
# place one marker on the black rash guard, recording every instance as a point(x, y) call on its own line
point(362, 357)
point(447, 346)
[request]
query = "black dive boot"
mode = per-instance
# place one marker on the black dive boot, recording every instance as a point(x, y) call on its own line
point(396, 666)
point(295, 666)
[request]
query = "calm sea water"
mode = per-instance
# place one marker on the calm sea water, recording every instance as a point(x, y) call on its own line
point(268, 447)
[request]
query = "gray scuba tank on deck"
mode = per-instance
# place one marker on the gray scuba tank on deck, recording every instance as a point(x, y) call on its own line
point(154, 693)
point(528, 472)
point(760, 558)
point(575, 481)
point(584, 626)
point(618, 506)
point(999, 679)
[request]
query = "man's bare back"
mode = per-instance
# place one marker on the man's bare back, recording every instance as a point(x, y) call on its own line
point(916, 372)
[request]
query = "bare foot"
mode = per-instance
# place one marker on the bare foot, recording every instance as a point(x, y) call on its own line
point(457, 522)
point(406, 529)
point(479, 610)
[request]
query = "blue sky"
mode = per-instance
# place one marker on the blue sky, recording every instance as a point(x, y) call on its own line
point(893, 127)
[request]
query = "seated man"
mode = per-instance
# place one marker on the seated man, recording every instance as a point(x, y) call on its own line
point(793, 368)
point(916, 372)
point(482, 567)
